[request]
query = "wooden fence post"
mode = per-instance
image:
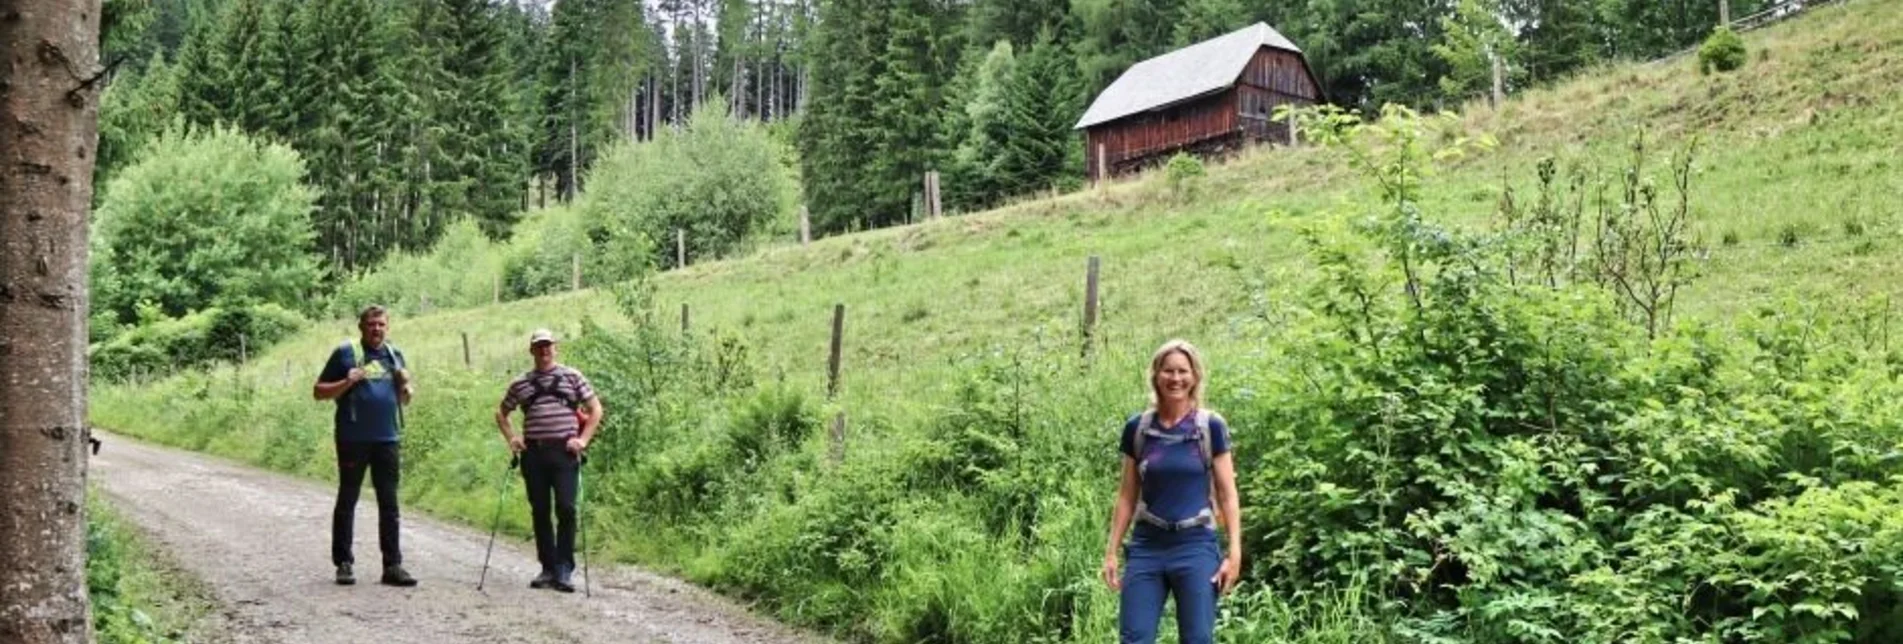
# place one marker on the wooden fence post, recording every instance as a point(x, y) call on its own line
point(838, 451)
point(832, 360)
point(498, 289)
point(832, 384)
point(1103, 165)
point(574, 282)
point(932, 203)
point(806, 227)
point(243, 354)
point(466, 361)
point(1499, 82)
point(1724, 12)
point(680, 248)
point(683, 318)
point(1090, 304)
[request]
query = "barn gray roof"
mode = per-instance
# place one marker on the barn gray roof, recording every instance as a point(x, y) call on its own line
point(1208, 66)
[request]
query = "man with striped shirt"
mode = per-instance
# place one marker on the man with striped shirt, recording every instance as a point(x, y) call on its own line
point(560, 413)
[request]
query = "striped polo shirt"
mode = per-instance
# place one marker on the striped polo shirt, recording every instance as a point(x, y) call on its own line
point(550, 416)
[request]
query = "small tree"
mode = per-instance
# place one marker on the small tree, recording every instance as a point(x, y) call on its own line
point(1183, 174)
point(203, 219)
point(719, 180)
point(1723, 51)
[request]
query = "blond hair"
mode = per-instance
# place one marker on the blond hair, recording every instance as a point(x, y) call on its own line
point(1195, 368)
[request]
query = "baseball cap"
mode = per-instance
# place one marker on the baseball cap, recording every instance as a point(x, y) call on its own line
point(540, 336)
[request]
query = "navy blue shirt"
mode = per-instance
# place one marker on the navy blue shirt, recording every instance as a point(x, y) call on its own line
point(1176, 485)
point(367, 412)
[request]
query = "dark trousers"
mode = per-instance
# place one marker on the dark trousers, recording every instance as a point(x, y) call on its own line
point(1156, 570)
point(353, 459)
point(548, 470)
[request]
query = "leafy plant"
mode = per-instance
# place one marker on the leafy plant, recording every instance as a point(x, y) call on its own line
point(1722, 51)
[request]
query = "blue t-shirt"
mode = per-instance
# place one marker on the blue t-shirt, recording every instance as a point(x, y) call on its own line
point(367, 412)
point(1175, 486)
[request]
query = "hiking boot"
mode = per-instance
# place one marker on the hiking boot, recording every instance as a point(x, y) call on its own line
point(397, 576)
point(561, 581)
point(543, 580)
point(344, 577)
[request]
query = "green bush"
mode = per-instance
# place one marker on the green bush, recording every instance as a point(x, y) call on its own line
point(1723, 51)
point(460, 271)
point(540, 259)
point(193, 340)
point(719, 180)
point(204, 219)
point(1183, 174)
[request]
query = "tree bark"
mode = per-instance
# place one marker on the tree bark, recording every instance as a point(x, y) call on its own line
point(49, 71)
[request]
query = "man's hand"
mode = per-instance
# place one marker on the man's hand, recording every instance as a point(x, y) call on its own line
point(355, 376)
point(404, 394)
point(576, 445)
point(516, 445)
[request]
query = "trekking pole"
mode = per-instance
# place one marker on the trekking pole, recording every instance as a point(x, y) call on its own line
point(586, 588)
point(496, 524)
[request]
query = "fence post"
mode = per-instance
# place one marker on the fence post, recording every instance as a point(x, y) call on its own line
point(1499, 82)
point(832, 384)
point(244, 355)
point(1724, 12)
point(806, 226)
point(1090, 304)
point(680, 248)
point(575, 278)
point(931, 195)
point(466, 362)
point(498, 289)
point(832, 360)
point(683, 318)
point(1103, 165)
point(838, 451)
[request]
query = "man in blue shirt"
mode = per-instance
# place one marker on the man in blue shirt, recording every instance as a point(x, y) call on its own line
point(370, 383)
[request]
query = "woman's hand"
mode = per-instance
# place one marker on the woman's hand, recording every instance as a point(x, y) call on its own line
point(1110, 576)
point(1228, 574)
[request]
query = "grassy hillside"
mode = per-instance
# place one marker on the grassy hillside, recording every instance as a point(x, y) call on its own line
point(714, 462)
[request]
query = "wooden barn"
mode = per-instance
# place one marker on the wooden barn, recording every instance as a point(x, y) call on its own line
point(1215, 95)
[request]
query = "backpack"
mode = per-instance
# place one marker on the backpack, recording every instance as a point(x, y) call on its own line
point(540, 390)
point(1145, 430)
point(354, 349)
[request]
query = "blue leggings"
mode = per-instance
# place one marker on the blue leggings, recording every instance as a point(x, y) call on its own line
point(1152, 571)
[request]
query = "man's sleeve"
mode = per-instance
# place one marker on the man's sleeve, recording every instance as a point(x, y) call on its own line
point(334, 368)
point(583, 391)
point(509, 398)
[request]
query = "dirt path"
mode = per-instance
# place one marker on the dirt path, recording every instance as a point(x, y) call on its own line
point(260, 541)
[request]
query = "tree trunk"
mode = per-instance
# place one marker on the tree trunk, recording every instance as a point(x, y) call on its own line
point(48, 134)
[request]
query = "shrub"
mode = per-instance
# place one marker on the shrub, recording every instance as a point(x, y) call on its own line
point(719, 180)
point(1790, 235)
point(541, 258)
point(205, 219)
point(193, 340)
point(458, 272)
point(1723, 51)
point(1183, 174)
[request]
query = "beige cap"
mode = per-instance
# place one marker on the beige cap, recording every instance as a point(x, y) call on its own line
point(540, 336)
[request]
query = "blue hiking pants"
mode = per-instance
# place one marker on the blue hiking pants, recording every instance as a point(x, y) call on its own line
point(1154, 569)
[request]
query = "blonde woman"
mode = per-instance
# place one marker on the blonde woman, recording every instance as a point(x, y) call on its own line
point(1179, 483)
